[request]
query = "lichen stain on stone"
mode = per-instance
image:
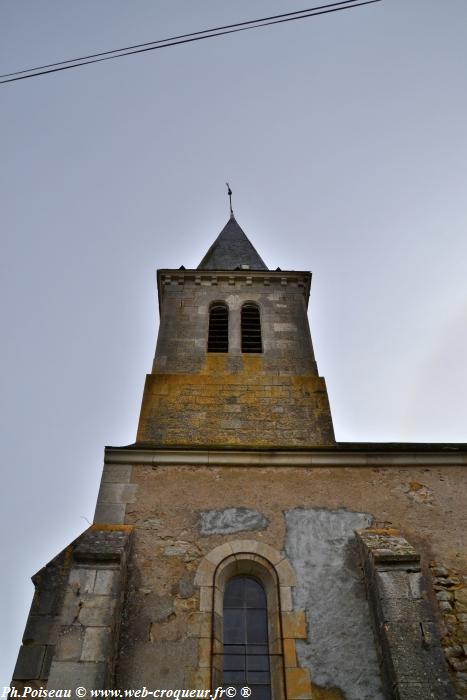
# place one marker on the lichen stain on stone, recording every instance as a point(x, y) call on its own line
point(327, 693)
point(187, 409)
point(420, 493)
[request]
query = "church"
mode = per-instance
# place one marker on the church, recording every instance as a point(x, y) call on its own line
point(237, 548)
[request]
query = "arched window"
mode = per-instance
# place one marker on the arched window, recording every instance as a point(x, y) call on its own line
point(251, 329)
point(246, 645)
point(218, 335)
point(243, 592)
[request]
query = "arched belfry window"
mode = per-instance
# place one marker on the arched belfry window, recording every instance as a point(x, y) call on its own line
point(246, 645)
point(218, 335)
point(251, 329)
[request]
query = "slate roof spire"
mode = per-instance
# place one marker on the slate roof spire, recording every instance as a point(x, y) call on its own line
point(232, 251)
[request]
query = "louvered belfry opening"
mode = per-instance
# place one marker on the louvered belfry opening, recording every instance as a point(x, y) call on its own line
point(251, 329)
point(218, 336)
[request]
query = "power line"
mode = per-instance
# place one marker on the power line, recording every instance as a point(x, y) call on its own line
point(183, 39)
point(173, 38)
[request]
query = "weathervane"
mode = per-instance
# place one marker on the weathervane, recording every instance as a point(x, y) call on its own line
point(229, 192)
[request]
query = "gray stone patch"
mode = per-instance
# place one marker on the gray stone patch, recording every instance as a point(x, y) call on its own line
point(230, 520)
point(185, 587)
point(340, 651)
point(177, 549)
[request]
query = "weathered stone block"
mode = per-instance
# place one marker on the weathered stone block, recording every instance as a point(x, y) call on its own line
point(82, 579)
point(70, 643)
point(97, 644)
point(294, 625)
point(286, 598)
point(116, 473)
point(41, 629)
point(110, 513)
point(102, 544)
point(70, 675)
point(29, 663)
point(198, 678)
point(200, 625)
point(290, 653)
point(97, 610)
point(45, 601)
point(400, 609)
point(416, 585)
point(204, 653)
point(71, 606)
point(48, 658)
point(205, 573)
point(117, 493)
point(298, 684)
point(393, 584)
point(107, 581)
point(286, 574)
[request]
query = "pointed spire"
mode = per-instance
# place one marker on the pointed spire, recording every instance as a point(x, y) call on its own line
point(232, 251)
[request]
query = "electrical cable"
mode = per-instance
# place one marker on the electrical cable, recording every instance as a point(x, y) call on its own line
point(167, 43)
point(173, 38)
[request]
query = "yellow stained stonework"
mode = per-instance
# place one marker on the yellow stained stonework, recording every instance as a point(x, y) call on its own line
point(250, 407)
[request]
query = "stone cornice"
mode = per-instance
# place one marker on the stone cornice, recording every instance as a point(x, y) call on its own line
point(283, 278)
point(284, 458)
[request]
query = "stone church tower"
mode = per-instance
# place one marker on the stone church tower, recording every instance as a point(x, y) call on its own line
point(236, 544)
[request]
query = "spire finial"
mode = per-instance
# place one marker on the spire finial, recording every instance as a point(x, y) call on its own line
point(229, 192)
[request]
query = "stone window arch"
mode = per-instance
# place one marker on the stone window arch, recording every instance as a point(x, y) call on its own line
point(218, 331)
point(263, 563)
point(251, 328)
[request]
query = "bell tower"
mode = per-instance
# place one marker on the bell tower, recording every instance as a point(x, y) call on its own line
point(234, 362)
point(236, 545)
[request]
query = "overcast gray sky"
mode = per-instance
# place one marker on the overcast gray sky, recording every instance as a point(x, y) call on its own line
point(344, 140)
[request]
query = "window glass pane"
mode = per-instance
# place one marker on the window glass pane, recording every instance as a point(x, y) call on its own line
point(262, 677)
point(234, 593)
point(246, 652)
point(234, 677)
point(234, 662)
point(234, 627)
point(237, 649)
point(258, 663)
point(255, 596)
point(260, 692)
point(258, 649)
point(256, 626)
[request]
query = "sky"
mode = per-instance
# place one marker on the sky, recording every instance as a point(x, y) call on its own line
point(344, 140)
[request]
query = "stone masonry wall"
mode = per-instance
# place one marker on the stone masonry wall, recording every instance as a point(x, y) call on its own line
point(185, 302)
point(181, 513)
point(451, 592)
point(249, 408)
point(274, 398)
